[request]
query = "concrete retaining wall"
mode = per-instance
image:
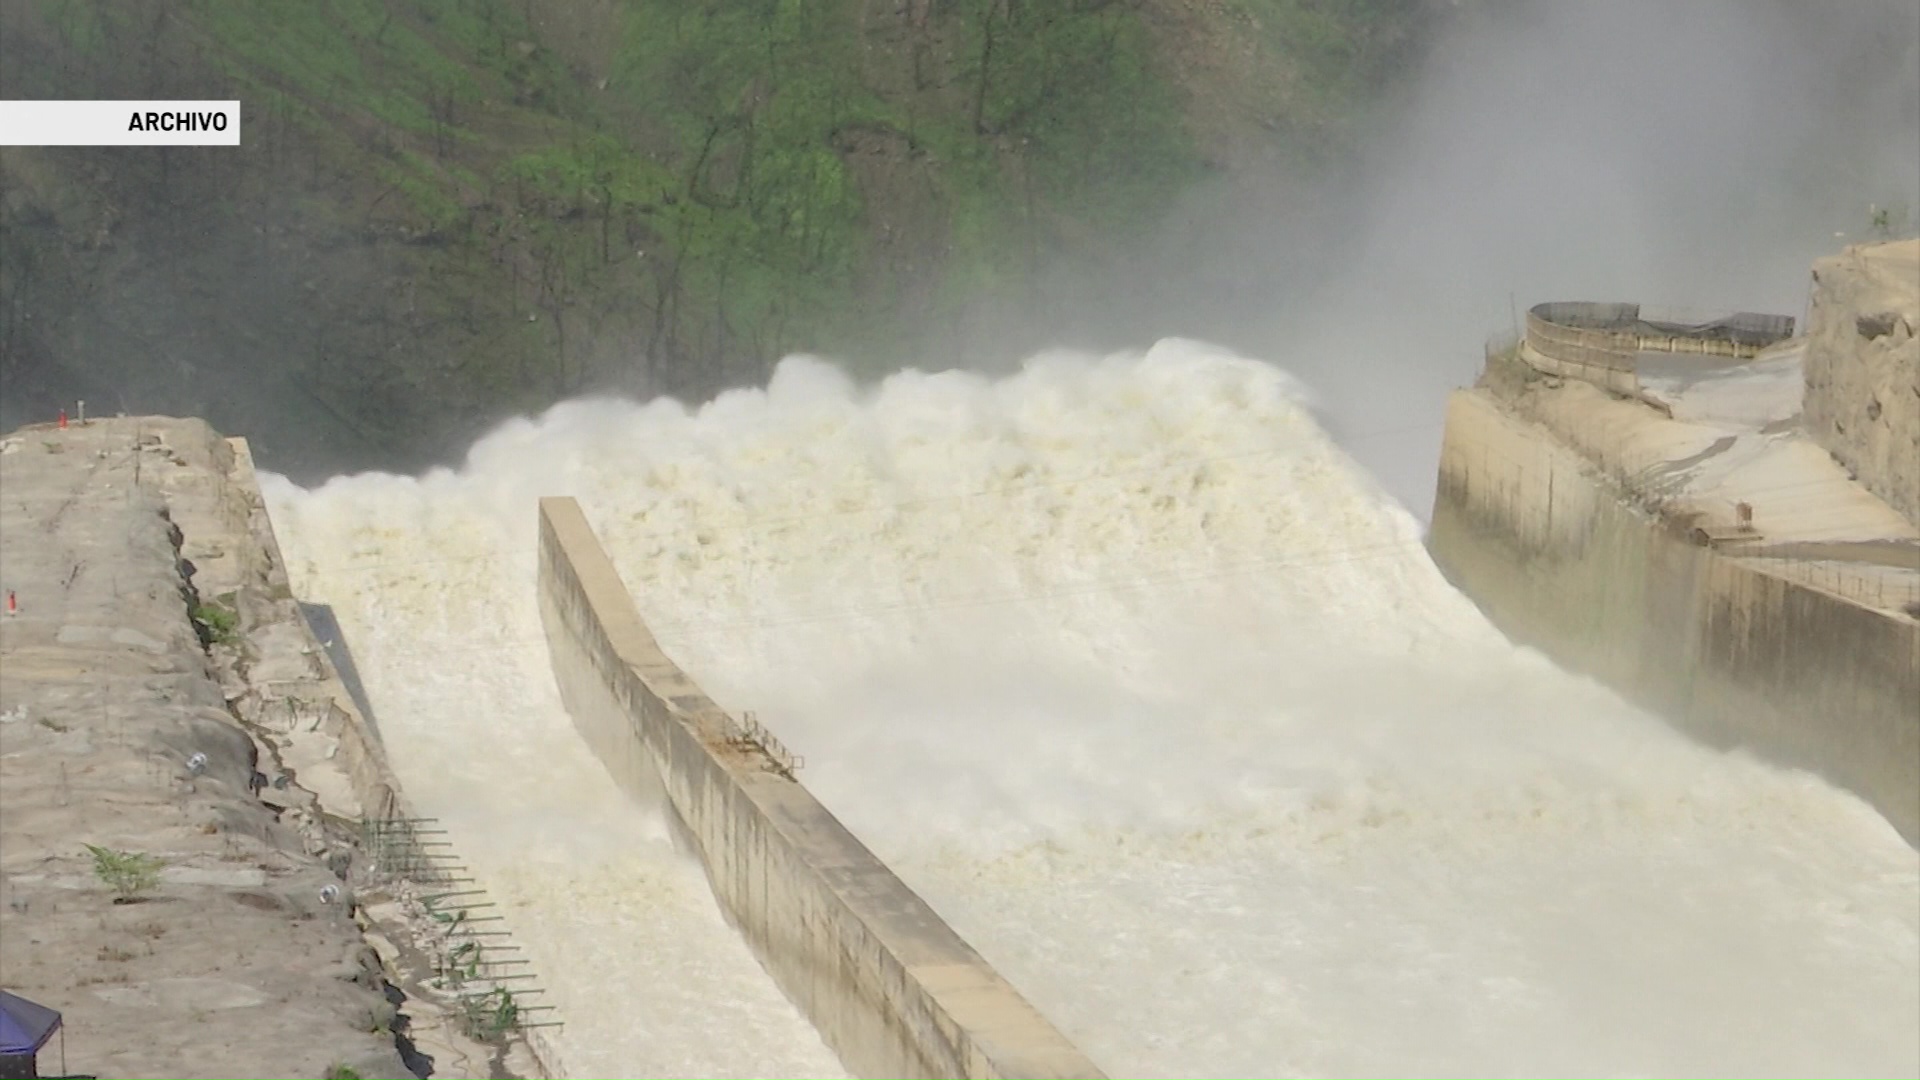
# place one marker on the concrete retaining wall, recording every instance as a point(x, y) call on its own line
point(890, 986)
point(1601, 357)
point(316, 698)
point(1601, 343)
point(364, 759)
point(1559, 557)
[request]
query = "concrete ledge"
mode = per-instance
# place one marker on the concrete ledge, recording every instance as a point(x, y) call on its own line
point(1728, 647)
point(365, 761)
point(890, 986)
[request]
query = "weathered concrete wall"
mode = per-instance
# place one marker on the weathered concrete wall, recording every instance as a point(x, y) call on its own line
point(90, 513)
point(1603, 358)
point(1602, 343)
point(1562, 557)
point(106, 693)
point(891, 987)
point(293, 689)
point(1863, 367)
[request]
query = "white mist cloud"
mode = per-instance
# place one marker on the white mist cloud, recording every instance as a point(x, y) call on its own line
point(1694, 155)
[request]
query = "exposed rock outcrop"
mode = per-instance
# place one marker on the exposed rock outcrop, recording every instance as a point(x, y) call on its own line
point(1863, 367)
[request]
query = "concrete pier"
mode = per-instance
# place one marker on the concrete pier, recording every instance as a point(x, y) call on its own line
point(892, 989)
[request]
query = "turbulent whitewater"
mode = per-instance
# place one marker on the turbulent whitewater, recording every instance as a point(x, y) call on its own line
point(1127, 668)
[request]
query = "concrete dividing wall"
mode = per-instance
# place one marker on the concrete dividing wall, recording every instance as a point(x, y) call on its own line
point(891, 987)
point(1559, 557)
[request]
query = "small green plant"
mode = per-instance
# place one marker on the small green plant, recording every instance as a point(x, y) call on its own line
point(1889, 222)
point(218, 625)
point(341, 1072)
point(451, 919)
point(492, 1014)
point(127, 873)
point(464, 961)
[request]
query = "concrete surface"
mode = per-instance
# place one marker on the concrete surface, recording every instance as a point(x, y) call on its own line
point(288, 687)
point(1745, 393)
point(1612, 538)
point(1863, 367)
point(233, 965)
point(889, 985)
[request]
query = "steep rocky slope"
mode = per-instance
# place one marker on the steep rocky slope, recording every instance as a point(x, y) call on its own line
point(445, 212)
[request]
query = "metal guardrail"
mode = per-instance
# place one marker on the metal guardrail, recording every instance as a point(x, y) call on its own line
point(747, 734)
point(1888, 592)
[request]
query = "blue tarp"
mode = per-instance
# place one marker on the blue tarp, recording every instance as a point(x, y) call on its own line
point(25, 1026)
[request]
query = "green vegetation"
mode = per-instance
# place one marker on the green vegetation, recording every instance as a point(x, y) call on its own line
point(484, 214)
point(351, 54)
point(129, 874)
point(491, 1015)
point(217, 624)
point(1889, 222)
point(1336, 50)
point(463, 962)
point(341, 1072)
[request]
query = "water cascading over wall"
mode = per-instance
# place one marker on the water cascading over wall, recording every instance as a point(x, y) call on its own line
point(892, 989)
point(1564, 556)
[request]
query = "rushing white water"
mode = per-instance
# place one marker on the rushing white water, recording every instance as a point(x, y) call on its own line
point(1151, 693)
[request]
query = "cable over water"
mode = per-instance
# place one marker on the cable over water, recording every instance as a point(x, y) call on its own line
point(1128, 669)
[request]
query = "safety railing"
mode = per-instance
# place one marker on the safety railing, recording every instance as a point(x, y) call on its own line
point(748, 735)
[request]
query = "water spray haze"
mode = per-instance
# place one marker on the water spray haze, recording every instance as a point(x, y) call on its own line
point(1154, 694)
point(1695, 155)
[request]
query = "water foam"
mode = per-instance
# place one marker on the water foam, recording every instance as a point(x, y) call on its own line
point(1125, 666)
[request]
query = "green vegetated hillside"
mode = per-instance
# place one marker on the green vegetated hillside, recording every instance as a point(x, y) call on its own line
point(448, 210)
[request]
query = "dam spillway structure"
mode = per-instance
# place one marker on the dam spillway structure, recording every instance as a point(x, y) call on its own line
point(1640, 497)
point(889, 985)
point(1187, 857)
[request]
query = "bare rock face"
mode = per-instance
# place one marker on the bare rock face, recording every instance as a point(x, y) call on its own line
point(1863, 367)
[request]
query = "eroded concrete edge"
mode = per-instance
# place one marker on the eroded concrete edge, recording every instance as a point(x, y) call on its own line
point(352, 746)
